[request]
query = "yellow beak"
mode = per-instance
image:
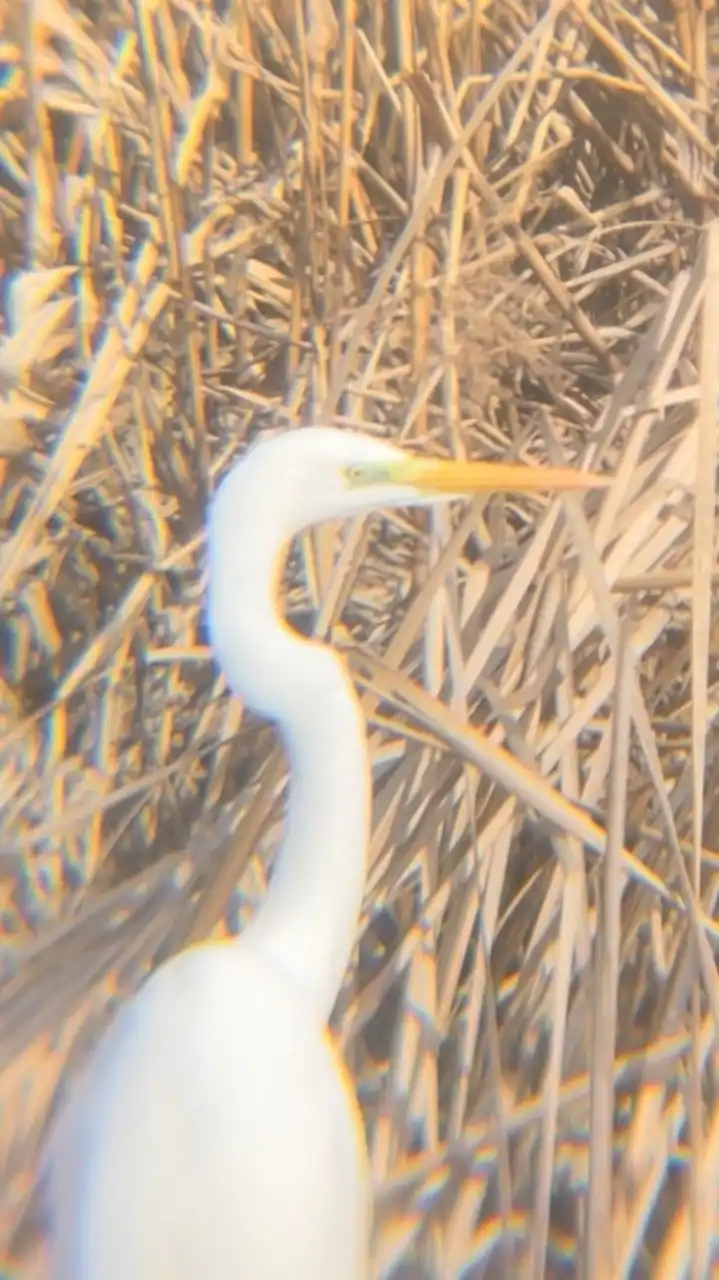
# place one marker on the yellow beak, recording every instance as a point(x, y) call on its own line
point(440, 475)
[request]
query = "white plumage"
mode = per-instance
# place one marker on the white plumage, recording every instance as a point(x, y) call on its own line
point(215, 1135)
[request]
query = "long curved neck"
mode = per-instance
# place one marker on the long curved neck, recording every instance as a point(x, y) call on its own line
point(307, 924)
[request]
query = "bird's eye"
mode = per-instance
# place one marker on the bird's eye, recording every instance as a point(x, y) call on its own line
point(361, 476)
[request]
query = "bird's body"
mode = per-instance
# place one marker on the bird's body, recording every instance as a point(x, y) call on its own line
point(214, 1135)
point(231, 1145)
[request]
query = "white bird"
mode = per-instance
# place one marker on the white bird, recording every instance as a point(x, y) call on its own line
point(215, 1134)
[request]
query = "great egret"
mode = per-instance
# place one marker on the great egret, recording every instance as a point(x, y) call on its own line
point(215, 1135)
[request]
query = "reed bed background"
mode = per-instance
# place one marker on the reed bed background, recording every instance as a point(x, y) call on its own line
point(479, 227)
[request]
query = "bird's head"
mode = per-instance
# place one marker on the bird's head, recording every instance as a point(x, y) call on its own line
point(283, 484)
point(322, 473)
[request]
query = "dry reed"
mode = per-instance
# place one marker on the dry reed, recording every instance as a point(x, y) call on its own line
point(480, 228)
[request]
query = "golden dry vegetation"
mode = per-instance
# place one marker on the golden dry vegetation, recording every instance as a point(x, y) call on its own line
point(481, 227)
